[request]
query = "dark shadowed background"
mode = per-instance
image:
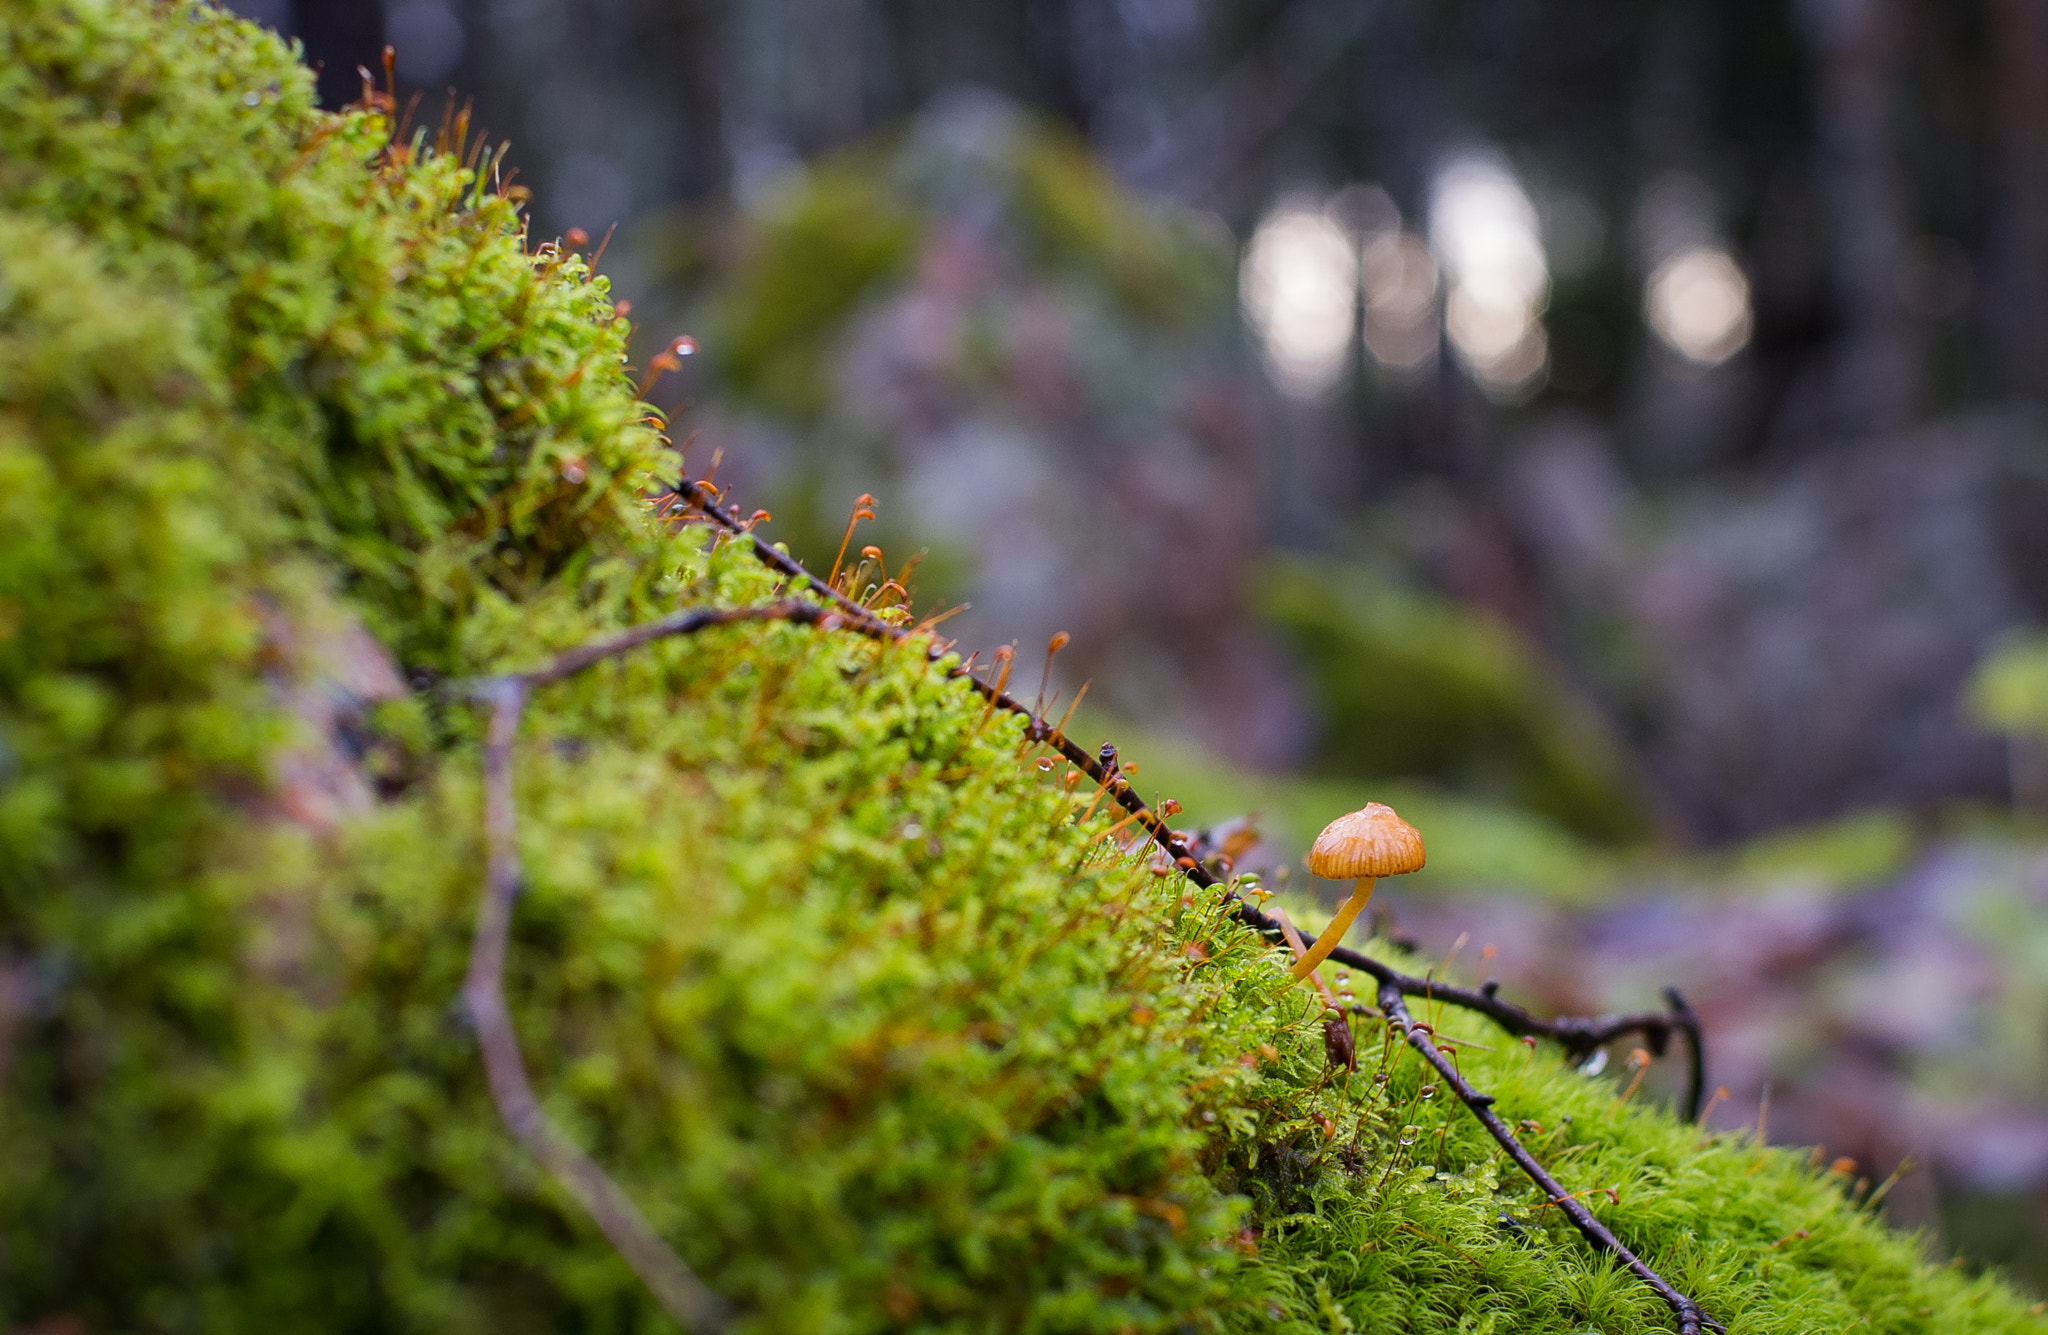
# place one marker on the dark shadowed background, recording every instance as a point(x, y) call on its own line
point(1611, 431)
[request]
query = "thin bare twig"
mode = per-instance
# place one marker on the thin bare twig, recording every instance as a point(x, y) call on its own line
point(573, 661)
point(1577, 1035)
point(681, 1294)
point(1420, 1037)
point(675, 1287)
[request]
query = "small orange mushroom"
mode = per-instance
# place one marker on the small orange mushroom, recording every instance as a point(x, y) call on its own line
point(1367, 844)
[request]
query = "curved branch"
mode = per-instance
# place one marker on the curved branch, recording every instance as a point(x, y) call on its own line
point(681, 1294)
point(1578, 1035)
point(663, 1271)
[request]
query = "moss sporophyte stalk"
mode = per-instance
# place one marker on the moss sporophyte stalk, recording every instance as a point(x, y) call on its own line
point(810, 960)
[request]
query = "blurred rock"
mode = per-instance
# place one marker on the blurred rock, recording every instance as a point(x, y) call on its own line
point(1040, 389)
point(1792, 646)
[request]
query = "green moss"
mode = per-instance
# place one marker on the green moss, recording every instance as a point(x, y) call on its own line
point(1422, 688)
point(1406, 1218)
point(810, 260)
point(853, 225)
point(1854, 850)
point(2009, 691)
point(1080, 218)
point(842, 986)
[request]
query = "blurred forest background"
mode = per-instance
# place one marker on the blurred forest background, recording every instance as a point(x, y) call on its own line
point(1611, 431)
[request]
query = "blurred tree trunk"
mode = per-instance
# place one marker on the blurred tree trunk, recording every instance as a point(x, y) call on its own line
point(1874, 378)
point(2016, 293)
point(829, 91)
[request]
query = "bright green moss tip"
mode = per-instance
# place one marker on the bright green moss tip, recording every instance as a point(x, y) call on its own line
point(811, 956)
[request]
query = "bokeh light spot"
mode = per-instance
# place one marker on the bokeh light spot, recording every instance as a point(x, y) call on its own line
point(1698, 304)
point(1299, 288)
point(1483, 228)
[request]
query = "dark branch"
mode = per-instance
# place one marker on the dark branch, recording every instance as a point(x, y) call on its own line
point(1578, 1035)
point(680, 1293)
point(682, 623)
point(1419, 1036)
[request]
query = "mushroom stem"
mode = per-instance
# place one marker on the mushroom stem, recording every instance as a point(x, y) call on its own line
point(1279, 915)
point(1334, 933)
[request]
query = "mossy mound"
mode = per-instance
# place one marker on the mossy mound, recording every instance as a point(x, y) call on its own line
point(853, 225)
point(838, 981)
point(1420, 687)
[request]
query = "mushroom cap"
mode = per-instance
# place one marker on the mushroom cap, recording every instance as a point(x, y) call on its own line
point(1371, 841)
